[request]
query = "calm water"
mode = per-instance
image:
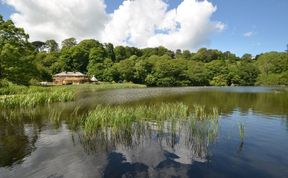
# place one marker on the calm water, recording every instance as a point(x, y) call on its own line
point(48, 142)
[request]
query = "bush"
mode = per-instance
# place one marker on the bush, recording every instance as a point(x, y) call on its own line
point(4, 83)
point(34, 82)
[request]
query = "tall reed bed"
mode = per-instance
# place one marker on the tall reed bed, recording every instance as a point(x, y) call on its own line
point(106, 86)
point(123, 117)
point(166, 122)
point(12, 96)
point(118, 117)
point(36, 98)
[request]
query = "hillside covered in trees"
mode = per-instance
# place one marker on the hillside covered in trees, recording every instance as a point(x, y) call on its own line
point(24, 62)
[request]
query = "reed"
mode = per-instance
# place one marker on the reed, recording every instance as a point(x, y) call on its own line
point(131, 125)
point(13, 96)
point(122, 117)
point(241, 127)
point(37, 98)
point(202, 113)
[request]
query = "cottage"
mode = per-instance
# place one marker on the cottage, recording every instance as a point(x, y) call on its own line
point(66, 78)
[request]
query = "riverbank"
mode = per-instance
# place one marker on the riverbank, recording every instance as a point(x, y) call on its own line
point(12, 96)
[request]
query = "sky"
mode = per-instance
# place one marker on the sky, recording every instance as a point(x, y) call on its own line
point(239, 26)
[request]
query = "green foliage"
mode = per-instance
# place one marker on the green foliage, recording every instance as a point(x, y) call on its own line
point(51, 46)
point(68, 43)
point(4, 83)
point(16, 54)
point(273, 68)
point(38, 45)
point(21, 62)
point(125, 69)
point(197, 74)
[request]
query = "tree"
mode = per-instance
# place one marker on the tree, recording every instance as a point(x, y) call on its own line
point(68, 43)
point(13, 35)
point(217, 72)
point(158, 51)
point(168, 72)
point(178, 54)
point(186, 55)
point(247, 73)
point(96, 64)
point(51, 46)
point(74, 59)
point(247, 57)
point(89, 44)
point(16, 54)
point(38, 45)
point(126, 70)
point(110, 51)
point(207, 55)
point(120, 53)
point(142, 69)
point(197, 74)
point(272, 66)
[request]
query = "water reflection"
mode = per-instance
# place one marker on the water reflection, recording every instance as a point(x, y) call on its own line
point(37, 142)
point(17, 141)
point(257, 99)
point(154, 152)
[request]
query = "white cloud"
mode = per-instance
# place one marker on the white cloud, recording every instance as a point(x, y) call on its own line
point(134, 22)
point(248, 34)
point(59, 19)
point(139, 23)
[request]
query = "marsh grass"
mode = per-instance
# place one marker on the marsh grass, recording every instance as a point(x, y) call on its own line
point(13, 96)
point(116, 117)
point(35, 99)
point(121, 123)
point(130, 126)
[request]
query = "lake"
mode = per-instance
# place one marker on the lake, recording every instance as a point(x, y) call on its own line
point(249, 138)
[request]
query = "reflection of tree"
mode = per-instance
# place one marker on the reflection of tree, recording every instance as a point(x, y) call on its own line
point(275, 103)
point(15, 142)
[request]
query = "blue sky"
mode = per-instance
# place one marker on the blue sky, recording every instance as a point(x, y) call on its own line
point(251, 26)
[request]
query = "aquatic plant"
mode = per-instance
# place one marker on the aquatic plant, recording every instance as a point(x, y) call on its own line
point(202, 113)
point(241, 127)
point(37, 98)
point(118, 116)
point(13, 96)
point(127, 124)
point(170, 124)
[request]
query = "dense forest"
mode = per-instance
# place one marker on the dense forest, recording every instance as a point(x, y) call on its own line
point(27, 63)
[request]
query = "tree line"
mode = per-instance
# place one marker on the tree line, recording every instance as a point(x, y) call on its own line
point(25, 63)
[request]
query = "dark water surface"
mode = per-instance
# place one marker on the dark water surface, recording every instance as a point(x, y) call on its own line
point(48, 142)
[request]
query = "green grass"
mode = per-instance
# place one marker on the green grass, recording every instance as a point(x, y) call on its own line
point(130, 125)
point(35, 99)
point(123, 117)
point(13, 96)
